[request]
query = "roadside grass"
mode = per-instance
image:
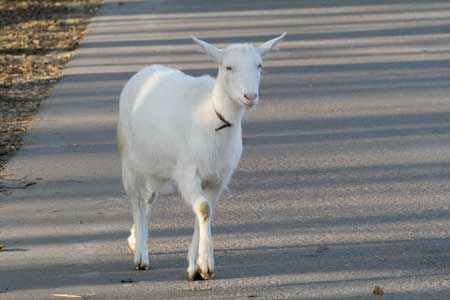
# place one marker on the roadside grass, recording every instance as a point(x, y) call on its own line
point(37, 39)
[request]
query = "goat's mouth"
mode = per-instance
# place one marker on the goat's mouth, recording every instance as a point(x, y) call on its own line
point(247, 103)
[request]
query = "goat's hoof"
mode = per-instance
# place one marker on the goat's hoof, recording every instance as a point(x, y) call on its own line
point(204, 275)
point(142, 267)
point(211, 273)
point(195, 276)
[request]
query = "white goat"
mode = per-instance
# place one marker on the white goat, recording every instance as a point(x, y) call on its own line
point(185, 132)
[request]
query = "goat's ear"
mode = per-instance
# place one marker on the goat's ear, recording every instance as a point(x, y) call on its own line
point(271, 45)
point(215, 53)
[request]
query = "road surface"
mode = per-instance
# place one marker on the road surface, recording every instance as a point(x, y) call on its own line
point(344, 182)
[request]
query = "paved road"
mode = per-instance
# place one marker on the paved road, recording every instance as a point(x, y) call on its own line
point(344, 182)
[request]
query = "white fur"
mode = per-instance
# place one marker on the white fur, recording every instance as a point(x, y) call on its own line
point(167, 138)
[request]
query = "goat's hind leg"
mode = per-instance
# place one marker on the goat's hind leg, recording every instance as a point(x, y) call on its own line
point(139, 230)
point(132, 237)
point(138, 239)
point(132, 241)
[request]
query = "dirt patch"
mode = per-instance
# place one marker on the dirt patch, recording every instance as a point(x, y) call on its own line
point(37, 39)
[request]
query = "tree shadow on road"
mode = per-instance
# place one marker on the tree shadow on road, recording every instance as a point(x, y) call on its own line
point(297, 76)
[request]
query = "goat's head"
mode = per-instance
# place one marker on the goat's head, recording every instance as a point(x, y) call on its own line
point(240, 67)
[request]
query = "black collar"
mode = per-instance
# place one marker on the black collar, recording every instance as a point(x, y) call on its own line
point(226, 123)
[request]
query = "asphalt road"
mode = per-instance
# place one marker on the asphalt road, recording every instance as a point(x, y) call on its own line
point(343, 185)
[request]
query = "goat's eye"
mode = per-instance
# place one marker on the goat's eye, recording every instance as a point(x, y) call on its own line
point(259, 66)
point(229, 68)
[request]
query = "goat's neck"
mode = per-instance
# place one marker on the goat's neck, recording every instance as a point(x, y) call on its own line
point(227, 107)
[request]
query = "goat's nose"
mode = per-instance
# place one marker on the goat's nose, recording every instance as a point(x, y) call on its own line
point(250, 96)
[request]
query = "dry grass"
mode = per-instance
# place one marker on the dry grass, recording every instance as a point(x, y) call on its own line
point(37, 39)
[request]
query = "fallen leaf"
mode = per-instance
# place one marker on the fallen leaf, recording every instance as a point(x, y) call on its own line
point(87, 296)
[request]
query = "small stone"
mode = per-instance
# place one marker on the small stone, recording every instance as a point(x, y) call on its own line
point(378, 291)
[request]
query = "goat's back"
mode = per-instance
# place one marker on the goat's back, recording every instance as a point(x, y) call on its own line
point(159, 115)
point(158, 87)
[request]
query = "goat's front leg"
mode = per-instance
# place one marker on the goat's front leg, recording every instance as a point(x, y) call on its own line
point(212, 193)
point(200, 254)
point(205, 260)
point(193, 255)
